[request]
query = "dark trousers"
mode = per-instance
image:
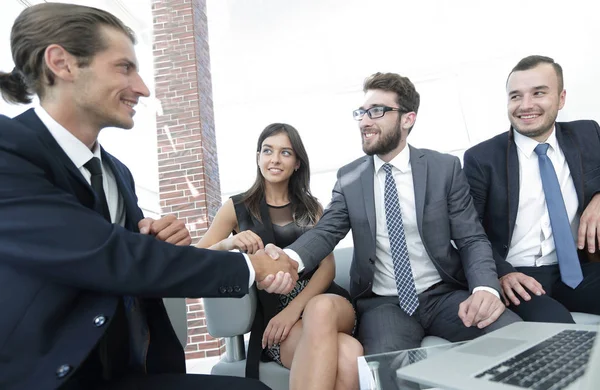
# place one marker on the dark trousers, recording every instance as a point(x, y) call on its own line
point(385, 327)
point(560, 299)
point(184, 382)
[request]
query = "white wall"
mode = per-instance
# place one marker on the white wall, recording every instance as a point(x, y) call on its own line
point(303, 62)
point(136, 147)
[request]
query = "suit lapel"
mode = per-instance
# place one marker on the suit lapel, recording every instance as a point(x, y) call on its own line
point(132, 211)
point(418, 164)
point(367, 178)
point(512, 172)
point(573, 157)
point(32, 121)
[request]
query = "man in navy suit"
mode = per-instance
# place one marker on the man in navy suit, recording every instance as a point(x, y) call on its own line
point(535, 188)
point(82, 273)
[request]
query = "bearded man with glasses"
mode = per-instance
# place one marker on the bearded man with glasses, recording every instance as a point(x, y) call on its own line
point(405, 206)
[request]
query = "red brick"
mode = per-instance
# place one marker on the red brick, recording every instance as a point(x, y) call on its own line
point(195, 323)
point(196, 331)
point(213, 353)
point(194, 307)
point(191, 348)
point(195, 355)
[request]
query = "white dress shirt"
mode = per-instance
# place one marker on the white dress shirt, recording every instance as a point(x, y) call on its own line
point(80, 154)
point(532, 243)
point(424, 272)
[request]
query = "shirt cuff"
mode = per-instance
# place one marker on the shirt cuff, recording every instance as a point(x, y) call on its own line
point(488, 289)
point(251, 269)
point(294, 256)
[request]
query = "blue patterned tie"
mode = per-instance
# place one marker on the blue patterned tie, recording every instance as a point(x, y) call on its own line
point(405, 284)
point(568, 261)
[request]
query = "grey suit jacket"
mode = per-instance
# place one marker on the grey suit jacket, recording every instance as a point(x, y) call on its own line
point(445, 212)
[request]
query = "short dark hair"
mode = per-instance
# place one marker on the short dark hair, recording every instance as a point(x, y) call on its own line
point(532, 61)
point(407, 97)
point(74, 27)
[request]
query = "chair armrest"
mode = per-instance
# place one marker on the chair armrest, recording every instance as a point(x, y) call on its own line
point(177, 312)
point(228, 317)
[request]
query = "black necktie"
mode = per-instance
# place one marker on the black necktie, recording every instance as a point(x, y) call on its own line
point(95, 168)
point(113, 348)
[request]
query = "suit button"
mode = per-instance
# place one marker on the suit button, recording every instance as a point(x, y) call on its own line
point(371, 261)
point(505, 246)
point(237, 289)
point(99, 320)
point(63, 371)
point(222, 290)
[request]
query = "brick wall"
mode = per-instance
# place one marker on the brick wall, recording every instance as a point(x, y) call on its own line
point(187, 154)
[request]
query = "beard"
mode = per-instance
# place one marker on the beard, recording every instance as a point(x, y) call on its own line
point(542, 129)
point(387, 142)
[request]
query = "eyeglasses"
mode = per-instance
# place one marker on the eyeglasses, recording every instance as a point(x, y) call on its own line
point(373, 112)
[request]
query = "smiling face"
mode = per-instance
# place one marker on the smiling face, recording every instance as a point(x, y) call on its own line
point(386, 135)
point(107, 90)
point(276, 159)
point(534, 100)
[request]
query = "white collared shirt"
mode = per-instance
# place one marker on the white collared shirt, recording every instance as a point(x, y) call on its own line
point(532, 243)
point(424, 272)
point(80, 154)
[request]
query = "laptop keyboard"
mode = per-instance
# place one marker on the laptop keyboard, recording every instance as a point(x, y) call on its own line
point(552, 364)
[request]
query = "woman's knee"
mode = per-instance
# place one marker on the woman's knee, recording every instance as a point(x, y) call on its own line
point(320, 310)
point(349, 349)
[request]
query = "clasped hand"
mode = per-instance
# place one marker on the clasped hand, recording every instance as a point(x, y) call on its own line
point(275, 271)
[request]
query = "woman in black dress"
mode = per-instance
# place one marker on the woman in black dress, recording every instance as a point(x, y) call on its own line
point(310, 329)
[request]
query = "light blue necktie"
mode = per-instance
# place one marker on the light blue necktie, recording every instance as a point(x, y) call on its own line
point(405, 284)
point(568, 261)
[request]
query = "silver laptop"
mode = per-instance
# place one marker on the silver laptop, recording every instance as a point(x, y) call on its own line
point(523, 355)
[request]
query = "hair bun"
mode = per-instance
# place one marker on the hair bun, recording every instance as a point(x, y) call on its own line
point(14, 87)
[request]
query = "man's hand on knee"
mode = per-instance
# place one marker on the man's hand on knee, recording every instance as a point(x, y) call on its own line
point(589, 225)
point(516, 283)
point(481, 309)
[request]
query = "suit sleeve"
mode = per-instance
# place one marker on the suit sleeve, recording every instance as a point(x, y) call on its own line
point(479, 183)
point(468, 234)
point(591, 175)
point(314, 245)
point(47, 233)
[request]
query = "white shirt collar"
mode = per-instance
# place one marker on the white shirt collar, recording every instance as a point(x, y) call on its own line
point(400, 162)
point(527, 145)
point(76, 150)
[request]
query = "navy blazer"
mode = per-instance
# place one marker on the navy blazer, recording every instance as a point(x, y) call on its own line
point(492, 168)
point(62, 264)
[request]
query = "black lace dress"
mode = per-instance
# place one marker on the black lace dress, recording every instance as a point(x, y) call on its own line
point(277, 226)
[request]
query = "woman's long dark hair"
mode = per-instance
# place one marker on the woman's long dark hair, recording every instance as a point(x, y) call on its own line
point(306, 210)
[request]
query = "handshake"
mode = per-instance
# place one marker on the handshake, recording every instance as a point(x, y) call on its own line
point(275, 271)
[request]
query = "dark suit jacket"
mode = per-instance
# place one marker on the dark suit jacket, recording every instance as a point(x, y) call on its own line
point(445, 212)
point(62, 263)
point(492, 168)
